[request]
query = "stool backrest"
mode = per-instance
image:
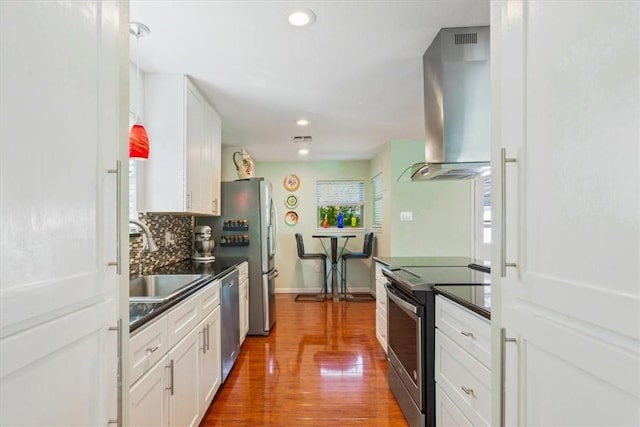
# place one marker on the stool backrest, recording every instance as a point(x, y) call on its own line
point(300, 245)
point(367, 247)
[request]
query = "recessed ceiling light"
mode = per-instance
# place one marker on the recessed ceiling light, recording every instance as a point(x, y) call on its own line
point(303, 151)
point(302, 17)
point(302, 122)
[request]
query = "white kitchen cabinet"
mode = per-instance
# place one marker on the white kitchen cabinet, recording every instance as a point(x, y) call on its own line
point(462, 367)
point(183, 170)
point(149, 397)
point(211, 157)
point(565, 100)
point(381, 307)
point(244, 300)
point(184, 343)
point(183, 381)
point(59, 296)
point(210, 365)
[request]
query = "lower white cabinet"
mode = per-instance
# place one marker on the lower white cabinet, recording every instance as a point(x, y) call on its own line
point(210, 365)
point(175, 363)
point(244, 300)
point(183, 381)
point(462, 366)
point(147, 397)
point(381, 307)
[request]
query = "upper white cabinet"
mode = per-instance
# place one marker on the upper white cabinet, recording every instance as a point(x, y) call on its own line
point(183, 170)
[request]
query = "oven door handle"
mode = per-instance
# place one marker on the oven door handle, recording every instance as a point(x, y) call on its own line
point(395, 297)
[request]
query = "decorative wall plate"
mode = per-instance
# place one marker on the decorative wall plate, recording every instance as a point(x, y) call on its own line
point(291, 201)
point(291, 182)
point(291, 218)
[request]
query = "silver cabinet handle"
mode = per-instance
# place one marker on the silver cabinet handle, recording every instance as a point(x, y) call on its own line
point(503, 373)
point(152, 350)
point(214, 205)
point(118, 171)
point(208, 337)
point(204, 340)
point(188, 201)
point(468, 391)
point(170, 376)
point(467, 334)
point(118, 330)
point(503, 238)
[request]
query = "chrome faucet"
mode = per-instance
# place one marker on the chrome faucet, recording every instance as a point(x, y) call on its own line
point(151, 244)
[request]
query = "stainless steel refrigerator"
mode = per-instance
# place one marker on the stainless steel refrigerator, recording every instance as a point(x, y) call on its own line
point(248, 227)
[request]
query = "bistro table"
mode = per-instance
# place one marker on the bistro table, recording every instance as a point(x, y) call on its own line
point(335, 255)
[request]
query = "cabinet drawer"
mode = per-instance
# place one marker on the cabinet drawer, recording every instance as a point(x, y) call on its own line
point(147, 347)
point(455, 371)
point(467, 329)
point(447, 413)
point(182, 319)
point(209, 298)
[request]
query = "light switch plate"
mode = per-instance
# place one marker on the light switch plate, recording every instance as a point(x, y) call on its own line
point(406, 216)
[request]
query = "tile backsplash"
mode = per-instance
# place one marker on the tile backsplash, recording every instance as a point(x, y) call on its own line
point(171, 248)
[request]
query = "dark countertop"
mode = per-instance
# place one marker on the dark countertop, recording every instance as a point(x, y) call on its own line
point(431, 261)
point(476, 298)
point(141, 313)
point(445, 276)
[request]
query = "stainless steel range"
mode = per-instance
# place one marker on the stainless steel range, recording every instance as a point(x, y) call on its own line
point(411, 333)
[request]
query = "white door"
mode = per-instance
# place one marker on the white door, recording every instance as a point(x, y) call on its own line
point(60, 129)
point(566, 108)
point(149, 398)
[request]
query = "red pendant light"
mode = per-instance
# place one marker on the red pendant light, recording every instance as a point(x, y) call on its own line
point(138, 143)
point(138, 138)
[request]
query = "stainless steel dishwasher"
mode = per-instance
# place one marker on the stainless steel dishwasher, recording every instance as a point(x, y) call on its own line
point(230, 322)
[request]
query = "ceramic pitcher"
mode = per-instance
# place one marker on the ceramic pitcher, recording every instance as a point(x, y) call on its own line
point(244, 164)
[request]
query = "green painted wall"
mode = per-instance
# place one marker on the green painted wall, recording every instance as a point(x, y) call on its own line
point(442, 210)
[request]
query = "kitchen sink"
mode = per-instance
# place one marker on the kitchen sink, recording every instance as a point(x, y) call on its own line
point(161, 287)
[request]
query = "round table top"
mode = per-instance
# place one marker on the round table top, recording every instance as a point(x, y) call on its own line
point(334, 236)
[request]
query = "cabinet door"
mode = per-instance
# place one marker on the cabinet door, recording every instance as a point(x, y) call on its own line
point(194, 142)
point(244, 310)
point(60, 130)
point(149, 397)
point(211, 160)
point(183, 381)
point(209, 362)
point(565, 101)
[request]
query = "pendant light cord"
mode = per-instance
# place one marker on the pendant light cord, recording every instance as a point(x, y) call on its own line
point(138, 75)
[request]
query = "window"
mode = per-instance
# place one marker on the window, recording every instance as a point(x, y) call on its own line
point(333, 197)
point(376, 185)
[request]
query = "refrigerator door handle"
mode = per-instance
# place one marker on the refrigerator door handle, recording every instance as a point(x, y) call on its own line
point(274, 273)
point(274, 226)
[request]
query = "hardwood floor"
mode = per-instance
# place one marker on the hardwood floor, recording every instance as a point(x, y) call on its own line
point(320, 366)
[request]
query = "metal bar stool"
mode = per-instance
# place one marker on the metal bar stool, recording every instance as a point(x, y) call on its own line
point(367, 250)
point(306, 255)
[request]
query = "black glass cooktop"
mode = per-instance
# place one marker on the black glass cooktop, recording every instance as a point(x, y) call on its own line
point(416, 279)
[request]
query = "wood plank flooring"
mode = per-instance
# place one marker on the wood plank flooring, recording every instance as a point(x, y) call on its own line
point(320, 366)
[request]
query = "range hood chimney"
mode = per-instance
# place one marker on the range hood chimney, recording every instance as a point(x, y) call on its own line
point(457, 106)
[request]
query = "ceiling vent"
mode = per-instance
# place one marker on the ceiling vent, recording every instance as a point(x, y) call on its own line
point(302, 139)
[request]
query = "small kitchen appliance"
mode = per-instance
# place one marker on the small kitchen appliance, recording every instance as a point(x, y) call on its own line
point(203, 244)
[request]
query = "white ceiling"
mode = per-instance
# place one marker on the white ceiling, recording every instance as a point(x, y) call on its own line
point(355, 74)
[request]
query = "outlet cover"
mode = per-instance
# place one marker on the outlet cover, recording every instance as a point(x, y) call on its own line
point(406, 216)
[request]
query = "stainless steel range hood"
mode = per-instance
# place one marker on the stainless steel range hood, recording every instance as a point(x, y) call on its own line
point(457, 106)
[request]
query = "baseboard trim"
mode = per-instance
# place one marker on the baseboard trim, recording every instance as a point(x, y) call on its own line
point(361, 290)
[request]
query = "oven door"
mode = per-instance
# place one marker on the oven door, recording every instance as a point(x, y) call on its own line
point(404, 340)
